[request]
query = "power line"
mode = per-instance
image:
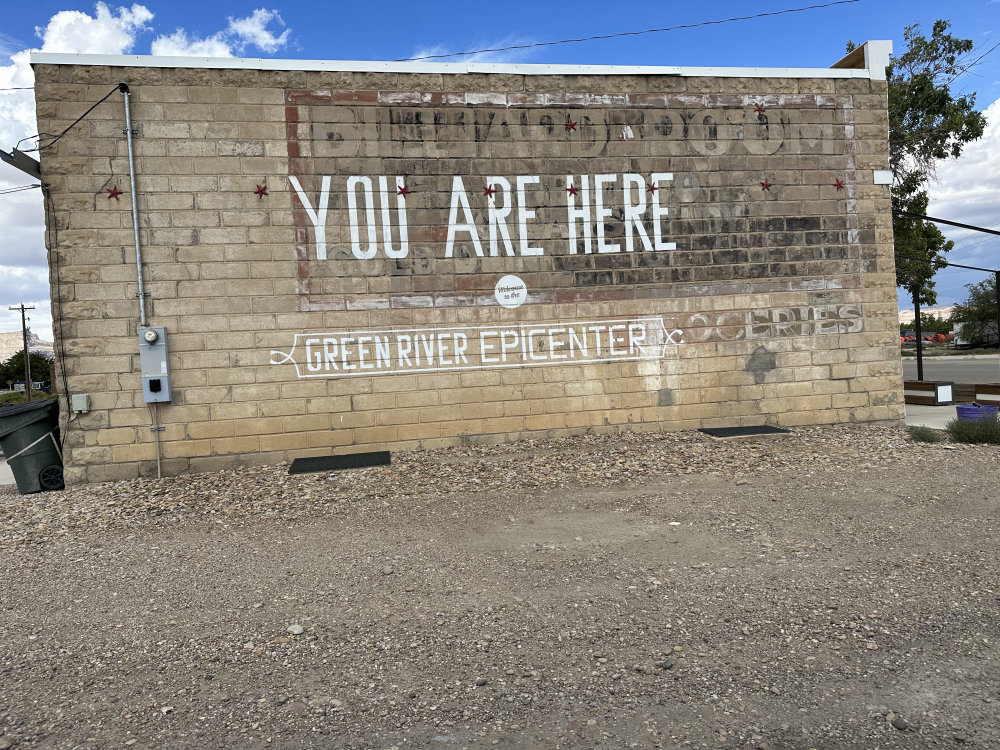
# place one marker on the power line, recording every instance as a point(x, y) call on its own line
point(971, 64)
point(946, 263)
point(899, 211)
point(69, 128)
point(632, 33)
point(5, 191)
point(18, 88)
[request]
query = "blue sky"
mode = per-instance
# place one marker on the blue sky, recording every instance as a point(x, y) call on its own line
point(392, 29)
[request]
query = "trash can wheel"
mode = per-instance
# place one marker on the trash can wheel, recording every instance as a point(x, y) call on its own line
point(51, 477)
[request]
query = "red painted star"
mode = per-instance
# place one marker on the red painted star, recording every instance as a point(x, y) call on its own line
point(488, 191)
point(758, 108)
point(403, 190)
point(114, 192)
point(260, 192)
point(765, 185)
point(652, 188)
point(570, 125)
point(572, 189)
point(839, 184)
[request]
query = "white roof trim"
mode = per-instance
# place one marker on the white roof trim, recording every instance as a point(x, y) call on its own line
point(373, 66)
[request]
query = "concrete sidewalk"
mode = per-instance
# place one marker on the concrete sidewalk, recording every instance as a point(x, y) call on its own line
point(936, 417)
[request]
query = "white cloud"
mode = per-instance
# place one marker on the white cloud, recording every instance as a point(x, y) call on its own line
point(8, 45)
point(178, 45)
point(506, 56)
point(967, 187)
point(17, 108)
point(240, 34)
point(70, 31)
point(106, 32)
point(966, 191)
point(252, 30)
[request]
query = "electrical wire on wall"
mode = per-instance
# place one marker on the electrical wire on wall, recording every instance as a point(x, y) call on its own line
point(52, 242)
point(154, 408)
point(54, 138)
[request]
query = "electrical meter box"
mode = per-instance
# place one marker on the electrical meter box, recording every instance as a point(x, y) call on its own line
point(153, 362)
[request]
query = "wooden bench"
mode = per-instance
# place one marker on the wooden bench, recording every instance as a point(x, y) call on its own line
point(928, 392)
point(988, 394)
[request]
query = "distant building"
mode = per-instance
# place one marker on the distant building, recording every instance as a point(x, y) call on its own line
point(939, 313)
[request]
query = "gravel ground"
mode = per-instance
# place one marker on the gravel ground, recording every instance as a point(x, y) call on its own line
point(834, 588)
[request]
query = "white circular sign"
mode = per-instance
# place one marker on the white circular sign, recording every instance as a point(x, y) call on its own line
point(511, 291)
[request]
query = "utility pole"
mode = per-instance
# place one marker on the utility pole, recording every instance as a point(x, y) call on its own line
point(920, 337)
point(27, 358)
point(996, 288)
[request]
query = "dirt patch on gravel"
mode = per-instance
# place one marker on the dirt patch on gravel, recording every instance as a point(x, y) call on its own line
point(836, 588)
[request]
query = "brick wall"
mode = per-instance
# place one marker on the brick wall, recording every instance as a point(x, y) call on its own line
point(693, 252)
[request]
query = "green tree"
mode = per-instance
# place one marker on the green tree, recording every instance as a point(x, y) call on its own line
point(926, 124)
point(13, 369)
point(928, 324)
point(978, 314)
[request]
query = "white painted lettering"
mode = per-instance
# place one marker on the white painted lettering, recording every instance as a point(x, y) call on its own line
point(352, 214)
point(524, 213)
point(531, 344)
point(404, 238)
point(317, 216)
point(363, 353)
point(702, 325)
point(382, 356)
point(601, 213)
point(515, 345)
point(460, 199)
point(577, 343)
point(508, 342)
point(330, 353)
point(404, 345)
point(345, 352)
point(461, 344)
point(636, 336)
point(484, 347)
point(612, 340)
point(597, 338)
point(734, 320)
point(314, 360)
point(581, 214)
point(659, 211)
point(443, 349)
point(634, 212)
point(497, 215)
point(554, 345)
point(425, 342)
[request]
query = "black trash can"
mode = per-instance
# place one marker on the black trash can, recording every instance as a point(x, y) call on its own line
point(29, 438)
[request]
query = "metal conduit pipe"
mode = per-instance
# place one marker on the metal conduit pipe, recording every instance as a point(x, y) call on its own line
point(123, 87)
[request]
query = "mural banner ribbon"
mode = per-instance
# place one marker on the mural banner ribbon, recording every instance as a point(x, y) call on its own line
point(416, 350)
